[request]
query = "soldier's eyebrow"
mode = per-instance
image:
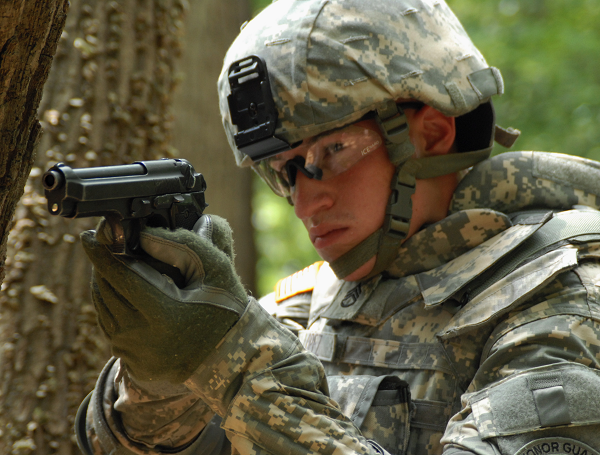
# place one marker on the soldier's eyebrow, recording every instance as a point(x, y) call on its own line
point(313, 139)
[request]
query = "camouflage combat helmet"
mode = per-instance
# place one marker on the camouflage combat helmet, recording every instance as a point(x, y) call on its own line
point(303, 67)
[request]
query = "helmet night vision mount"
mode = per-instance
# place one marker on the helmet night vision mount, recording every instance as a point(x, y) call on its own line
point(253, 110)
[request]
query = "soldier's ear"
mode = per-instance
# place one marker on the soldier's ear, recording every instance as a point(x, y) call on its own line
point(431, 132)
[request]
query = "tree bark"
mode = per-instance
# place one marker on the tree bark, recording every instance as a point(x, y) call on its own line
point(29, 33)
point(198, 133)
point(107, 101)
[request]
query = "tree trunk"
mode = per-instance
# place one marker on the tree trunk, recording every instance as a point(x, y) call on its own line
point(107, 101)
point(29, 33)
point(211, 27)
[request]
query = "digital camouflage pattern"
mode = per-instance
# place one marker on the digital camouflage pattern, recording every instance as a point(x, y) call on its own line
point(517, 363)
point(259, 371)
point(420, 329)
point(529, 180)
point(332, 61)
point(176, 421)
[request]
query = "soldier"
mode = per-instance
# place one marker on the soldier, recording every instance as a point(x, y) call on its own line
point(459, 307)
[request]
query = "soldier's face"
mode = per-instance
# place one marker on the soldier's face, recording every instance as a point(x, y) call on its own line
point(344, 209)
point(341, 211)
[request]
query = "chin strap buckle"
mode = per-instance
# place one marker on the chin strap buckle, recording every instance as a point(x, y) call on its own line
point(393, 123)
point(399, 209)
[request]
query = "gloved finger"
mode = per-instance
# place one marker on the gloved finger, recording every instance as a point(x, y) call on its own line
point(104, 234)
point(204, 227)
point(107, 322)
point(217, 230)
point(97, 252)
point(133, 280)
point(112, 309)
point(197, 257)
point(158, 245)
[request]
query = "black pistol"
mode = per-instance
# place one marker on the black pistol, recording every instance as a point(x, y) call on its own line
point(162, 193)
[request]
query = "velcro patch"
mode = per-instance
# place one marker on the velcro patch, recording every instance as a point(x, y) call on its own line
point(556, 446)
point(298, 283)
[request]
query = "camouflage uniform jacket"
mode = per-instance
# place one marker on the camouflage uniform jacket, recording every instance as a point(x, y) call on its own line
point(483, 337)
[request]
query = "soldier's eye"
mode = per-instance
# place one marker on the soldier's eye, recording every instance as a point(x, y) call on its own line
point(335, 147)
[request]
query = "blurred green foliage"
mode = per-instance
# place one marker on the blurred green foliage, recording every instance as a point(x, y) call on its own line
point(282, 242)
point(549, 55)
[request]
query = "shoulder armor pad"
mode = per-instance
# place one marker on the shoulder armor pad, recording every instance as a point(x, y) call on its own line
point(524, 180)
point(509, 292)
point(550, 396)
point(549, 251)
point(298, 283)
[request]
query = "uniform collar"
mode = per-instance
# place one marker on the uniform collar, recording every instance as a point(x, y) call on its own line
point(447, 239)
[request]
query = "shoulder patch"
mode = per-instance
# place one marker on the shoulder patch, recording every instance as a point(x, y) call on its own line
point(556, 446)
point(298, 283)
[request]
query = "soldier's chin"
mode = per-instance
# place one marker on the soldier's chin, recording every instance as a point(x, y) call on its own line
point(330, 254)
point(362, 271)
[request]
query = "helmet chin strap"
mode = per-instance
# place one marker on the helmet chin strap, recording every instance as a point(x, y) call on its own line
point(385, 242)
point(394, 127)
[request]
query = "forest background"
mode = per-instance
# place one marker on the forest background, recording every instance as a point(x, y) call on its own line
point(111, 98)
point(549, 54)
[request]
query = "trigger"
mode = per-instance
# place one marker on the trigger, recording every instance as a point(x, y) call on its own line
point(116, 235)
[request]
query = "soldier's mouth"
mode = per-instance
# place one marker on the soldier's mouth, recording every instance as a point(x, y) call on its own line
point(327, 238)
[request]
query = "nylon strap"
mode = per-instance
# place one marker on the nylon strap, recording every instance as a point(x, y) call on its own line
point(357, 256)
point(436, 166)
point(394, 126)
point(333, 347)
point(388, 252)
point(385, 242)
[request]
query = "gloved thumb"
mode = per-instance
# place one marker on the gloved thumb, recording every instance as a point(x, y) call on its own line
point(216, 230)
point(200, 261)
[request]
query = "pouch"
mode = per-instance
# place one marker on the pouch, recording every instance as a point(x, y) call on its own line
point(380, 406)
point(545, 406)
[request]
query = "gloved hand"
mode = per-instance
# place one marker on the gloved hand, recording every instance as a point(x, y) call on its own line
point(160, 331)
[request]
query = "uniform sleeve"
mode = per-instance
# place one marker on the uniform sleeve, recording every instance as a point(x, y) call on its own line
point(292, 313)
point(536, 390)
point(123, 417)
point(273, 394)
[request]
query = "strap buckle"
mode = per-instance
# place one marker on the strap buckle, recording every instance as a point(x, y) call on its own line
point(399, 209)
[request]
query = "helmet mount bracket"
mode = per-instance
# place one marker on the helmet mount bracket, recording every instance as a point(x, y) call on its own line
point(253, 109)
